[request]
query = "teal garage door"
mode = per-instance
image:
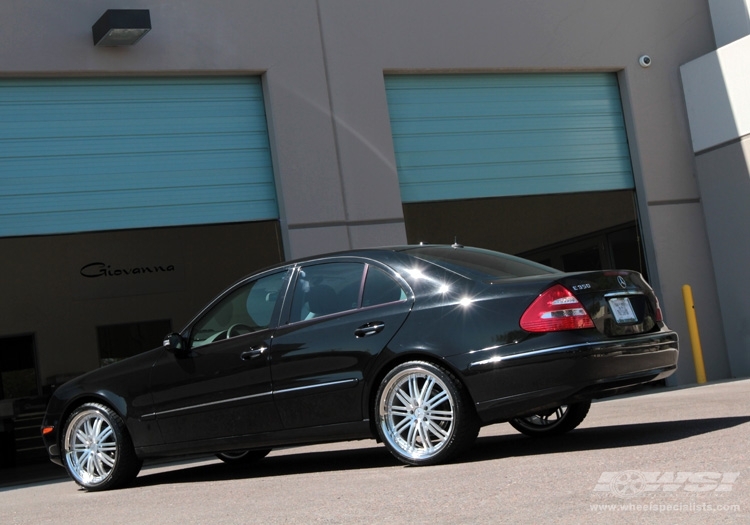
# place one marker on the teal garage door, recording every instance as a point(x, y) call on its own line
point(105, 154)
point(496, 135)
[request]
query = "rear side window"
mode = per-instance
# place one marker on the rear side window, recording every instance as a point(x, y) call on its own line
point(331, 288)
point(380, 288)
point(324, 289)
point(485, 264)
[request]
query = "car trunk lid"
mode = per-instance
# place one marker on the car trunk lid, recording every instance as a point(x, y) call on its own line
point(620, 302)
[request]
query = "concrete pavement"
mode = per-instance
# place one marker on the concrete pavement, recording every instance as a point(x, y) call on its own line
point(670, 456)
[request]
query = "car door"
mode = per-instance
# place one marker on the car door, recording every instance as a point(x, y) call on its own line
point(221, 385)
point(341, 315)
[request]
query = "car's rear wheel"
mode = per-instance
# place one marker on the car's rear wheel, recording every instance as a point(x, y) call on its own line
point(97, 450)
point(424, 415)
point(554, 421)
point(237, 457)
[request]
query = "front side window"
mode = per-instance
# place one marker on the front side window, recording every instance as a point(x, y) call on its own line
point(247, 309)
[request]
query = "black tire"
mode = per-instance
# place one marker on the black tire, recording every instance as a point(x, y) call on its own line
point(552, 422)
point(243, 457)
point(97, 450)
point(424, 415)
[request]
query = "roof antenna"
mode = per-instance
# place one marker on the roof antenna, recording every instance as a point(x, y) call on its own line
point(455, 243)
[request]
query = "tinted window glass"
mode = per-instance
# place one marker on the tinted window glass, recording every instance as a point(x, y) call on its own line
point(247, 309)
point(380, 288)
point(491, 265)
point(17, 368)
point(117, 342)
point(325, 289)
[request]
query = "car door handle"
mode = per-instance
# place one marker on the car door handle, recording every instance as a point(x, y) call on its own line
point(254, 352)
point(369, 329)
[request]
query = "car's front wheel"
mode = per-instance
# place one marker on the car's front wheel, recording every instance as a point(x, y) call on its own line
point(243, 457)
point(423, 414)
point(97, 450)
point(552, 422)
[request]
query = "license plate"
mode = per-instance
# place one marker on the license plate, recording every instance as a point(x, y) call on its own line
point(622, 310)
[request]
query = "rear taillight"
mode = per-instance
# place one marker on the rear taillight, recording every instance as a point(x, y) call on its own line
point(554, 310)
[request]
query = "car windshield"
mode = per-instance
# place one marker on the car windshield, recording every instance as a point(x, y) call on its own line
point(489, 265)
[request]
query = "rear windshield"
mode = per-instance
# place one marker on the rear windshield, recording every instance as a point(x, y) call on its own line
point(489, 265)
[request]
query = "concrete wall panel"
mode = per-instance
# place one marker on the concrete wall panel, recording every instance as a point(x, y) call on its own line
point(694, 268)
point(725, 188)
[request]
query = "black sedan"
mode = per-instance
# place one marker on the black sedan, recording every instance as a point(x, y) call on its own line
point(416, 346)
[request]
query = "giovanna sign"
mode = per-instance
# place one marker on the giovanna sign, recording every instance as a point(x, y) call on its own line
point(100, 269)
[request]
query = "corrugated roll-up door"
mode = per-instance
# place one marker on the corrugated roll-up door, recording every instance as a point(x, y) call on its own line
point(492, 135)
point(105, 154)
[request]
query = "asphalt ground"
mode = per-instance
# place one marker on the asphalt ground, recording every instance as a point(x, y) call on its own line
point(667, 456)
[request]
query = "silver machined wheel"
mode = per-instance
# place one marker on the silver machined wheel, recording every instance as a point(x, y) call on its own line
point(90, 446)
point(417, 413)
point(97, 450)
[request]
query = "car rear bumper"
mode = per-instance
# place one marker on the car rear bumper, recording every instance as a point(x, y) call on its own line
point(510, 385)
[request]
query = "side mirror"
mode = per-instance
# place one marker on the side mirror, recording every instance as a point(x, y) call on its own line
point(175, 343)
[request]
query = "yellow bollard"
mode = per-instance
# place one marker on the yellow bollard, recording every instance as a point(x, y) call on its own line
point(695, 340)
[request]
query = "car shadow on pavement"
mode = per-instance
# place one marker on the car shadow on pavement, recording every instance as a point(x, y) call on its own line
point(282, 465)
point(599, 438)
point(485, 448)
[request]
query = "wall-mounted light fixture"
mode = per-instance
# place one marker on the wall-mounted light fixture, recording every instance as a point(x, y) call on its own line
point(121, 27)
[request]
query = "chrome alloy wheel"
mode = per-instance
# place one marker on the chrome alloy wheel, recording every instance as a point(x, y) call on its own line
point(243, 456)
point(90, 447)
point(553, 421)
point(545, 420)
point(416, 413)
